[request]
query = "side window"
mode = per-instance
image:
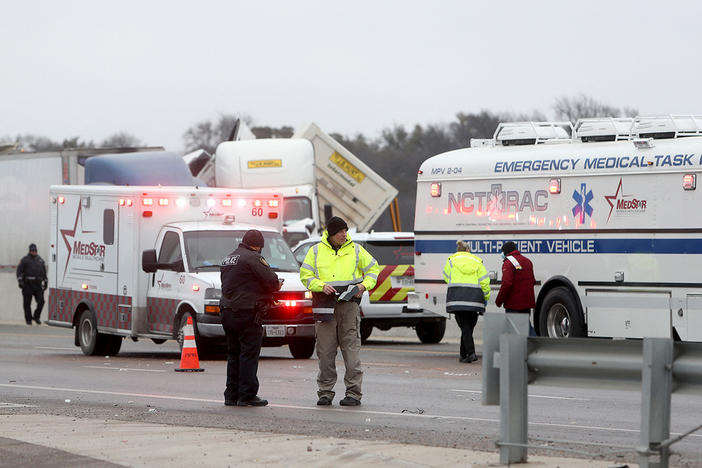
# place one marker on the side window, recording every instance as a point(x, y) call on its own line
point(301, 253)
point(170, 248)
point(108, 227)
point(392, 252)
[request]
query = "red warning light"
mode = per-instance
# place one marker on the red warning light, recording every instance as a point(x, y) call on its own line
point(226, 202)
point(273, 203)
point(689, 181)
point(61, 199)
point(435, 189)
point(163, 201)
point(258, 203)
point(554, 186)
point(147, 201)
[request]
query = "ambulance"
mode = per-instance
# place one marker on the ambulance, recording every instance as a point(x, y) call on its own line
point(137, 262)
point(608, 211)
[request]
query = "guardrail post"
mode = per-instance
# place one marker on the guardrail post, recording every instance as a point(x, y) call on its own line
point(656, 387)
point(495, 324)
point(513, 398)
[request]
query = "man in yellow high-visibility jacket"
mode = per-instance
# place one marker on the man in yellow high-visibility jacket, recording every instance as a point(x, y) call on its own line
point(468, 292)
point(337, 271)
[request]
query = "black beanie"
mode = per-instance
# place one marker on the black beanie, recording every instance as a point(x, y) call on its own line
point(508, 247)
point(253, 238)
point(335, 224)
point(32, 247)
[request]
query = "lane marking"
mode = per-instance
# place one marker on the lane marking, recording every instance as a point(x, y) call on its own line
point(530, 395)
point(345, 410)
point(124, 369)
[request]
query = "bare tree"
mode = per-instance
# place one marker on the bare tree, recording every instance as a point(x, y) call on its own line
point(121, 140)
point(208, 134)
point(584, 106)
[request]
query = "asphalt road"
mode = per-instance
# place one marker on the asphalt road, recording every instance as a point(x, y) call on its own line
point(413, 393)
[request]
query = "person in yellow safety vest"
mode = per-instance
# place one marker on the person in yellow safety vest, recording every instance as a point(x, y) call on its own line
point(337, 271)
point(468, 292)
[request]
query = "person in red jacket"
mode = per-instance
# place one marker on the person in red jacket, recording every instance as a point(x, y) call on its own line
point(517, 289)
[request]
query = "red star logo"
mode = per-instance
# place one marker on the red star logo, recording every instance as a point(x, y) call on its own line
point(71, 233)
point(612, 198)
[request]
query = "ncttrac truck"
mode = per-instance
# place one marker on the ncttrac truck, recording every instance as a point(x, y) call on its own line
point(311, 170)
point(610, 218)
point(136, 262)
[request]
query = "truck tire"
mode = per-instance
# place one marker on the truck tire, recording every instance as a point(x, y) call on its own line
point(202, 347)
point(113, 343)
point(302, 349)
point(560, 315)
point(431, 332)
point(91, 342)
point(366, 330)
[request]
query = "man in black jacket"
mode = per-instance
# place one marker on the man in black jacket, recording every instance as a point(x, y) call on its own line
point(248, 284)
point(31, 278)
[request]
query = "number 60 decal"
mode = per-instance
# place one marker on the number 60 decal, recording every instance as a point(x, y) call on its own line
point(257, 211)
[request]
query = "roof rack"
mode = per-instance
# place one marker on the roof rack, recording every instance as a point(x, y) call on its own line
point(667, 126)
point(532, 133)
point(603, 129)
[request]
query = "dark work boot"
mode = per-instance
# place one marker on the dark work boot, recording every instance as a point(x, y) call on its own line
point(350, 401)
point(253, 401)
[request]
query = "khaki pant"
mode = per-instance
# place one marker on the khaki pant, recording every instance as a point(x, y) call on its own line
point(344, 332)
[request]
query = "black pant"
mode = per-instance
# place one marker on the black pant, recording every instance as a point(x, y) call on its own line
point(244, 337)
point(466, 321)
point(30, 291)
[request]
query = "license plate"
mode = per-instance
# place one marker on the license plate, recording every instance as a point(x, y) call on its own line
point(274, 330)
point(402, 281)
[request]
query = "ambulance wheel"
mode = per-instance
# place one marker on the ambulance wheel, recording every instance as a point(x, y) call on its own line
point(113, 343)
point(180, 336)
point(302, 349)
point(366, 330)
point(431, 332)
point(560, 315)
point(91, 342)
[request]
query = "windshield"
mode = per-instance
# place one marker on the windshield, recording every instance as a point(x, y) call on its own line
point(296, 209)
point(205, 249)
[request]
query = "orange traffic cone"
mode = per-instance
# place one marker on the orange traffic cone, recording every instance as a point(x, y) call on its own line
point(189, 361)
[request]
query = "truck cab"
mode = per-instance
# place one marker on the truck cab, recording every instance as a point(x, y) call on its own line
point(184, 273)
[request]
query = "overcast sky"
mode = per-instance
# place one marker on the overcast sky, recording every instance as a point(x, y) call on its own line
point(154, 68)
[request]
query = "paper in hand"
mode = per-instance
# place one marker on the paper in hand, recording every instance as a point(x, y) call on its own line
point(349, 294)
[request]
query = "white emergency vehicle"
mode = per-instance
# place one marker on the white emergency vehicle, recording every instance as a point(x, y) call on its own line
point(610, 217)
point(136, 262)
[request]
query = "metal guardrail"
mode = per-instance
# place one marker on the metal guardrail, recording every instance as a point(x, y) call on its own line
point(656, 366)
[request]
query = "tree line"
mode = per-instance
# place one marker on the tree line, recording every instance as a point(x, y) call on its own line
point(395, 154)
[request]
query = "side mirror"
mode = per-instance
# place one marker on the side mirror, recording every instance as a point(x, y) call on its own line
point(148, 261)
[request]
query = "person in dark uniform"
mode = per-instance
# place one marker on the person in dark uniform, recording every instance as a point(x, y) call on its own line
point(248, 284)
point(31, 278)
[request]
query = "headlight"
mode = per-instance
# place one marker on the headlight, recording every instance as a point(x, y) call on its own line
point(213, 293)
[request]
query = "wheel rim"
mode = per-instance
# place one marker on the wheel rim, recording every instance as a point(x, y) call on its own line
point(558, 321)
point(86, 332)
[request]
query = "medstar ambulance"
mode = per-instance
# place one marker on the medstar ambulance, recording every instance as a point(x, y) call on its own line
point(137, 262)
point(610, 216)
